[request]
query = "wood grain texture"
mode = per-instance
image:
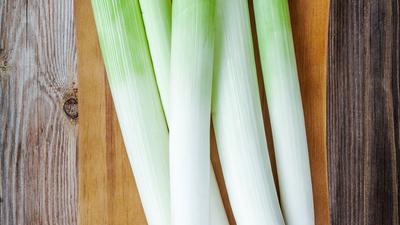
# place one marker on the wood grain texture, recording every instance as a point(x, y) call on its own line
point(363, 112)
point(38, 113)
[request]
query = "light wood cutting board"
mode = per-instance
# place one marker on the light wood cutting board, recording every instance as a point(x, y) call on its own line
point(107, 191)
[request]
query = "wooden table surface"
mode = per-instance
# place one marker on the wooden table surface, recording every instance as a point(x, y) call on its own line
point(350, 82)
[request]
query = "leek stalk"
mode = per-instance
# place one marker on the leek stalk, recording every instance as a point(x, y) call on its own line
point(157, 22)
point(238, 122)
point(127, 59)
point(285, 109)
point(192, 51)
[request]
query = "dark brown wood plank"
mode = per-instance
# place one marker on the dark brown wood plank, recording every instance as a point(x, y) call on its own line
point(363, 112)
point(38, 113)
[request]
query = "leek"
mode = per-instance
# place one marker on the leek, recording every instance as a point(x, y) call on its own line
point(238, 122)
point(285, 109)
point(192, 48)
point(127, 59)
point(157, 22)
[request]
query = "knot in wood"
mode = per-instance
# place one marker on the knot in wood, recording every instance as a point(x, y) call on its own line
point(3, 61)
point(71, 108)
point(3, 65)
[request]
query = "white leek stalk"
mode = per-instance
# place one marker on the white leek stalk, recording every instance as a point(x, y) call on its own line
point(238, 120)
point(285, 109)
point(137, 102)
point(157, 21)
point(192, 50)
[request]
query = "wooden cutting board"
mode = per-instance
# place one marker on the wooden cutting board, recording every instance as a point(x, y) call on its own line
point(107, 191)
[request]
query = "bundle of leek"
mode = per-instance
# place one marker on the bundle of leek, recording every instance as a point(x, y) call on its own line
point(183, 63)
point(285, 110)
point(238, 121)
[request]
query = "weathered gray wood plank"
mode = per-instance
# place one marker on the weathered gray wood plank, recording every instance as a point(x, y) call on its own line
point(38, 112)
